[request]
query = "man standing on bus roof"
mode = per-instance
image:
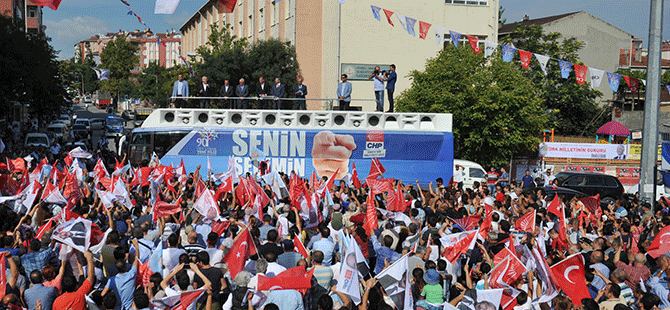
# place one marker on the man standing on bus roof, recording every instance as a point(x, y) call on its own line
point(263, 89)
point(204, 91)
point(278, 91)
point(242, 90)
point(344, 93)
point(180, 89)
point(226, 91)
point(300, 92)
point(378, 77)
point(390, 86)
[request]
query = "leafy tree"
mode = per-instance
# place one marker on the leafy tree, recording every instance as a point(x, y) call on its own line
point(492, 102)
point(119, 57)
point(150, 83)
point(72, 73)
point(272, 59)
point(571, 107)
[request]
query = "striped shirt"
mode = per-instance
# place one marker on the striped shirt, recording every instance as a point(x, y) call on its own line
point(323, 275)
point(193, 248)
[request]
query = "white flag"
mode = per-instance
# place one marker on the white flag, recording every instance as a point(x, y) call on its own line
point(402, 19)
point(121, 193)
point(55, 197)
point(206, 206)
point(78, 152)
point(75, 233)
point(166, 6)
point(106, 197)
point(491, 295)
point(596, 77)
point(391, 278)
point(348, 281)
point(542, 59)
point(489, 48)
point(439, 34)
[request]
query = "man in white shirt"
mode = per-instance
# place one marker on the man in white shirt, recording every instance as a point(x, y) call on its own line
point(459, 173)
point(273, 267)
point(548, 178)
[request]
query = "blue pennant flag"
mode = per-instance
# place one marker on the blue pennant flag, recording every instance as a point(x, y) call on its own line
point(410, 25)
point(130, 12)
point(614, 79)
point(507, 53)
point(455, 37)
point(565, 68)
point(375, 12)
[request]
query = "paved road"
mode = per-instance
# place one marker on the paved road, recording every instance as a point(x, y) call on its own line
point(92, 113)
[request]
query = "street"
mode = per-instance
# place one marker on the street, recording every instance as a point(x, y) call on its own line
point(92, 113)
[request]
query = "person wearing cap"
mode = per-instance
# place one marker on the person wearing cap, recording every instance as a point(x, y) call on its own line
point(431, 295)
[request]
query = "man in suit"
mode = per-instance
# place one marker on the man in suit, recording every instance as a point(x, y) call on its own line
point(263, 89)
point(179, 89)
point(344, 93)
point(204, 90)
point(226, 91)
point(300, 92)
point(278, 91)
point(242, 90)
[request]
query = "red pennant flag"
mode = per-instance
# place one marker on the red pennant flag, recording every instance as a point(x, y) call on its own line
point(295, 278)
point(592, 203)
point(371, 215)
point(52, 4)
point(354, 177)
point(486, 225)
point(423, 29)
point(162, 208)
point(376, 169)
point(507, 271)
point(569, 274)
point(219, 227)
point(526, 223)
point(580, 73)
point(378, 186)
point(299, 247)
point(228, 5)
point(661, 243)
point(556, 207)
point(525, 58)
point(452, 253)
point(474, 43)
point(467, 223)
point(3, 275)
point(241, 250)
point(388, 16)
point(633, 84)
point(226, 186)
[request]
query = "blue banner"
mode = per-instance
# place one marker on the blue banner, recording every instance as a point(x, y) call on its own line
point(405, 155)
point(565, 68)
point(375, 12)
point(613, 79)
point(455, 37)
point(507, 53)
point(410, 25)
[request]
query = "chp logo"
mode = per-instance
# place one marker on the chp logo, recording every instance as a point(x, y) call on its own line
point(374, 145)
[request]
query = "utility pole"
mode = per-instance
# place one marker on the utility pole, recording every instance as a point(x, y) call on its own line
point(652, 104)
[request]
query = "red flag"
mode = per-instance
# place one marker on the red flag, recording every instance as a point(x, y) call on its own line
point(3, 275)
point(143, 274)
point(322, 190)
point(378, 186)
point(632, 83)
point(486, 225)
point(52, 4)
point(592, 203)
point(314, 182)
point(47, 190)
point(371, 215)
point(526, 223)
point(145, 173)
point(68, 159)
point(555, 207)
point(525, 58)
point(580, 73)
point(16, 165)
point(507, 271)
point(354, 177)
point(569, 274)
point(228, 5)
point(188, 299)
point(219, 227)
point(388, 16)
point(162, 208)
point(396, 200)
point(452, 253)
point(423, 29)
point(291, 279)
point(200, 188)
point(661, 243)
point(241, 250)
point(297, 189)
point(467, 223)
point(226, 186)
point(44, 228)
point(118, 165)
point(376, 169)
point(39, 166)
point(299, 247)
point(474, 43)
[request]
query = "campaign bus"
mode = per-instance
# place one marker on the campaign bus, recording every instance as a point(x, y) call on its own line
point(410, 146)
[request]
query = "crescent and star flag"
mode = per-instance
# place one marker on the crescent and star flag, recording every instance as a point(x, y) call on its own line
point(613, 79)
point(375, 12)
point(633, 84)
point(162, 208)
point(240, 251)
point(423, 29)
point(226, 186)
point(525, 57)
point(295, 278)
point(580, 73)
point(388, 16)
point(299, 247)
point(507, 53)
point(52, 4)
point(661, 243)
point(474, 43)
point(543, 60)
point(455, 37)
point(75, 233)
point(526, 223)
point(565, 66)
point(165, 6)
point(569, 274)
point(592, 203)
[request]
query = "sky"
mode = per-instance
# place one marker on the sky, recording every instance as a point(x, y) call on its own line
point(76, 20)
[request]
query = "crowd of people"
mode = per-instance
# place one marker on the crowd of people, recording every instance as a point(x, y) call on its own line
point(81, 231)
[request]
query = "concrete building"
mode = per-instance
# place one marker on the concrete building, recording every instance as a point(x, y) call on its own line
point(601, 40)
point(24, 11)
point(332, 38)
point(165, 52)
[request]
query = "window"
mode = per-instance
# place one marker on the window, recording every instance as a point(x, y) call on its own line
point(611, 182)
point(32, 11)
point(576, 180)
point(467, 2)
point(261, 20)
point(275, 9)
point(164, 141)
point(596, 180)
point(288, 8)
point(477, 173)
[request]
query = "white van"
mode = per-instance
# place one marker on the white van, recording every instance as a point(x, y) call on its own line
point(472, 172)
point(37, 139)
point(59, 130)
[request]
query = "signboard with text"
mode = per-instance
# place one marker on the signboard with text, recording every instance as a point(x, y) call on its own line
point(361, 72)
point(583, 150)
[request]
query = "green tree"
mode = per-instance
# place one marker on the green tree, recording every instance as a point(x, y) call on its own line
point(119, 57)
point(150, 83)
point(571, 107)
point(493, 104)
point(272, 59)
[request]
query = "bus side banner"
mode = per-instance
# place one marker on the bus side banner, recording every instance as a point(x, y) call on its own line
point(405, 155)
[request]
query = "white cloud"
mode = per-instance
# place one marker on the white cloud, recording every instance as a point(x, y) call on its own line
point(68, 31)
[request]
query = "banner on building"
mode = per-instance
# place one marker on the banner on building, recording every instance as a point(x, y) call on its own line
point(585, 168)
point(628, 175)
point(583, 150)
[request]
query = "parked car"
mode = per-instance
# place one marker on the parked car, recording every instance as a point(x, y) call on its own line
point(72, 145)
point(37, 139)
point(568, 193)
point(81, 132)
point(85, 122)
point(609, 187)
point(60, 131)
point(472, 172)
point(128, 115)
point(98, 123)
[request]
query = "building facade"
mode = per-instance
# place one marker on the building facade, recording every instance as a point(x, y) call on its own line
point(332, 38)
point(162, 48)
point(24, 12)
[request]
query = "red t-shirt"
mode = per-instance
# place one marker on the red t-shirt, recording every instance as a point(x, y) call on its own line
point(74, 300)
point(491, 178)
point(500, 197)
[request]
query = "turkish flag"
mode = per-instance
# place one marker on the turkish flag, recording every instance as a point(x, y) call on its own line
point(226, 186)
point(556, 208)
point(452, 253)
point(162, 208)
point(661, 243)
point(239, 253)
point(228, 5)
point(299, 247)
point(219, 227)
point(569, 274)
point(354, 177)
point(295, 278)
point(526, 223)
point(633, 84)
point(423, 29)
point(592, 203)
point(371, 215)
point(376, 169)
point(474, 43)
point(52, 4)
point(388, 16)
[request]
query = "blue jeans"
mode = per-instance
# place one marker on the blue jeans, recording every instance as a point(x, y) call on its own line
point(379, 97)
